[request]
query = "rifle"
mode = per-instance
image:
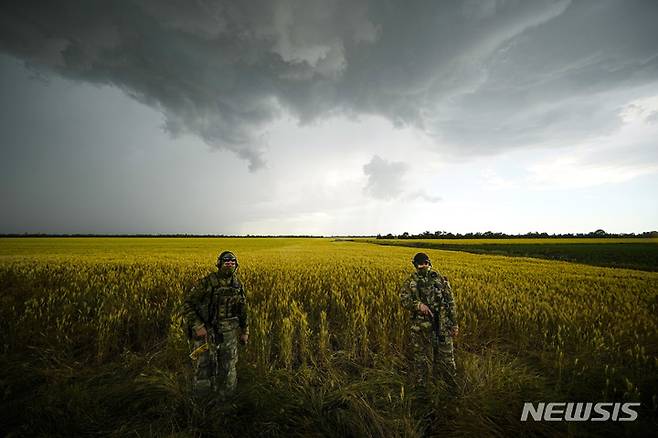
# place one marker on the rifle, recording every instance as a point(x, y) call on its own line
point(436, 326)
point(214, 339)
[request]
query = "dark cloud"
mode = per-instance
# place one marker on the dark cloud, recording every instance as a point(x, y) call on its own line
point(561, 81)
point(482, 75)
point(385, 178)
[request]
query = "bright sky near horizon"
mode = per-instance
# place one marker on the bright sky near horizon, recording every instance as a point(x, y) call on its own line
point(328, 117)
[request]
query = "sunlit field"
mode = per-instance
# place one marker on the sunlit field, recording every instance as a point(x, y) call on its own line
point(93, 341)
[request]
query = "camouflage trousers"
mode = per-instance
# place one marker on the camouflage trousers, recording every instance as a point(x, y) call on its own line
point(433, 357)
point(215, 369)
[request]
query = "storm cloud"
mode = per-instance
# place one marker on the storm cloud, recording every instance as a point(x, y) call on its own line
point(480, 77)
point(385, 178)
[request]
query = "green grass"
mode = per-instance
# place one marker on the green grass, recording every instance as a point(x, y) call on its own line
point(639, 254)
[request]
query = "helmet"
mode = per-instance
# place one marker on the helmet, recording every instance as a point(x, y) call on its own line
point(421, 257)
point(225, 256)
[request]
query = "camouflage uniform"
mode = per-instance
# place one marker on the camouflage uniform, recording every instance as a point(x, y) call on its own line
point(218, 303)
point(431, 351)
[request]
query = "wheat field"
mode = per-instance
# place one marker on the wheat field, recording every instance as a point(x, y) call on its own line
point(93, 341)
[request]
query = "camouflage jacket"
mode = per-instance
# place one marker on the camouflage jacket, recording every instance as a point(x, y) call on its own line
point(434, 291)
point(217, 303)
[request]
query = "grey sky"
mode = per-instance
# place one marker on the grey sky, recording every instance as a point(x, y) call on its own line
point(327, 116)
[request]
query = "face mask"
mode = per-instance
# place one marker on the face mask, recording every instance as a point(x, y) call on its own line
point(226, 270)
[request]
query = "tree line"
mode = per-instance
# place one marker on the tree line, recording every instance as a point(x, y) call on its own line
point(530, 235)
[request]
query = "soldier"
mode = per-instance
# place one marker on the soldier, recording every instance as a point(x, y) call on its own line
point(428, 296)
point(215, 309)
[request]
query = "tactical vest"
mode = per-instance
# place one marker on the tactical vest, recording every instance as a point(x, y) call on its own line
point(221, 305)
point(430, 290)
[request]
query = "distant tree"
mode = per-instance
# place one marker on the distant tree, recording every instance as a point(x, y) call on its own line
point(426, 235)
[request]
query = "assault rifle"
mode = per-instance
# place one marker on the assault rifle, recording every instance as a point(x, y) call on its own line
point(436, 326)
point(436, 323)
